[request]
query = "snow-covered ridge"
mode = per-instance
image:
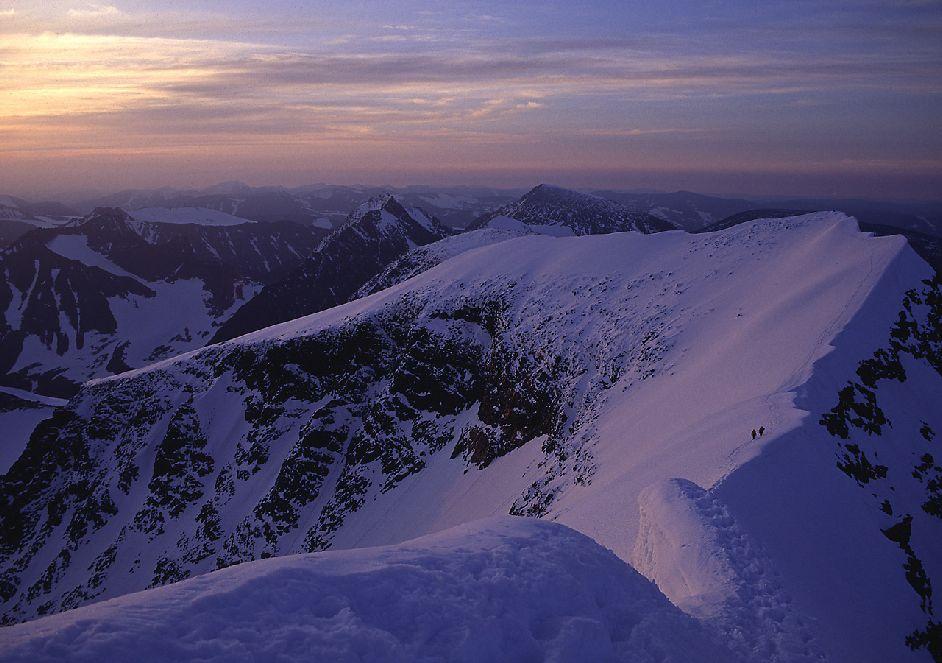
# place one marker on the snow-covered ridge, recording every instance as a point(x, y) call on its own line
point(36, 398)
point(554, 377)
point(373, 204)
point(197, 215)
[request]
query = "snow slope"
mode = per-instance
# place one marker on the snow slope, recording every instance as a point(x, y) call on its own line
point(75, 247)
point(202, 216)
point(508, 589)
point(423, 258)
point(559, 377)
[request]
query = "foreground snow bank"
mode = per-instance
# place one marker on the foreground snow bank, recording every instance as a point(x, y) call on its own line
point(509, 589)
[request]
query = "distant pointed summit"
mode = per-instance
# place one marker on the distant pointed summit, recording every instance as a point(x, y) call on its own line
point(374, 234)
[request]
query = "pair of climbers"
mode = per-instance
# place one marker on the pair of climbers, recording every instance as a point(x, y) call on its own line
point(761, 432)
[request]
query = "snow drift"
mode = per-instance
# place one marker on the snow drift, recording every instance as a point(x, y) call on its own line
point(509, 589)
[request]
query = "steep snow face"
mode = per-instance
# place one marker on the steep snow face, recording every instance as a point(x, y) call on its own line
point(551, 210)
point(75, 247)
point(507, 589)
point(555, 377)
point(201, 216)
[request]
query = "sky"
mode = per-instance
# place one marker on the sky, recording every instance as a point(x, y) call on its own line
point(838, 98)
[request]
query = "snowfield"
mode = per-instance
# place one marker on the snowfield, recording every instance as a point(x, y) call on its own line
point(507, 589)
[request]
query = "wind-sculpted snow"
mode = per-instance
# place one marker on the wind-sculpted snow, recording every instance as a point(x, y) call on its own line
point(707, 565)
point(545, 376)
point(494, 590)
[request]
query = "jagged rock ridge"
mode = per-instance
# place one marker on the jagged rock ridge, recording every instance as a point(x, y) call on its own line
point(374, 234)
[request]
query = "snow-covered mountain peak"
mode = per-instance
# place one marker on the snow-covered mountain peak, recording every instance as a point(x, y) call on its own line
point(388, 213)
point(373, 204)
point(107, 213)
point(549, 209)
point(552, 194)
point(113, 219)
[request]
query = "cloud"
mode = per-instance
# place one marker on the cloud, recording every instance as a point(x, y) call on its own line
point(94, 10)
point(100, 79)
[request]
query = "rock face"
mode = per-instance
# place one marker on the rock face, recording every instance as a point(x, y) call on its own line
point(555, 210)
point(555, 377)
point(364, 404)
point(374, 234)
point(108, 292)
point(19, 414)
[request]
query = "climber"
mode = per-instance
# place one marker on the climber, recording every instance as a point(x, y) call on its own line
point(761, 430)
point(753, 433)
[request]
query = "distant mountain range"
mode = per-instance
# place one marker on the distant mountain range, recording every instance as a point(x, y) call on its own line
point(457, 207)
point(694, 211)
point(108, 292)
point(322, 205)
